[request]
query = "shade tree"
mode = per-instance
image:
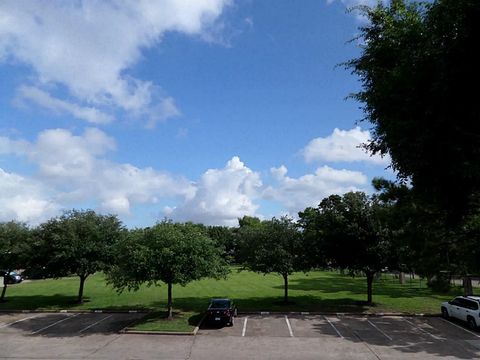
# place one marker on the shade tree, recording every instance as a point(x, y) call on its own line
point(172, 253)
point(77, 242)
point(14, 244)
point(272, 246)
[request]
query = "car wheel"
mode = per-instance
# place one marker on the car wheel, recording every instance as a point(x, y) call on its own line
point(471, 323)
point(445, 314)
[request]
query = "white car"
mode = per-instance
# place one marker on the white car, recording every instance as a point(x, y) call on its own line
point(465, 308)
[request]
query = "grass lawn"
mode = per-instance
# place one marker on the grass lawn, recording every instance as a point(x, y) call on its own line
point(315, 291)
point(158, 321)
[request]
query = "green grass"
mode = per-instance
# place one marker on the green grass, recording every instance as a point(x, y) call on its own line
point(158, 321)
point(315, 291)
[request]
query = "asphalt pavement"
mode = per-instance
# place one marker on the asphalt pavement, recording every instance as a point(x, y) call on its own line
point(98, 336)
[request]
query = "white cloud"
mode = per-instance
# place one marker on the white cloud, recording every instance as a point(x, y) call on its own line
point(24, 199)
point(88, 47)
point(342, 146)
point(44, 99)
point(75, 168)
point(222, 196)
point(164, 110)
point(308, 190)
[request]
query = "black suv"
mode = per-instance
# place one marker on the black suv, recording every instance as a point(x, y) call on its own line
point(221, 311)
point(11, 278)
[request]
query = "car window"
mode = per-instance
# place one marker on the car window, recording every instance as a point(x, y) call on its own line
point(468, 304)
point(472, 305)
point(220, 304)
point(456, 302)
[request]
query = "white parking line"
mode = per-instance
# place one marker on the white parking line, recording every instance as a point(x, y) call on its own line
point(55, 323)
point(422, 330)
point(244, 326)
point(289, 326)
point(379, 330)
point(458, 326)
point(95, 323)
point(334, 328)
point(15, 322)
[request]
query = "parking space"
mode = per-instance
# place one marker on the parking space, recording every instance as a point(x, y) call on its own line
point(378, 334)
point(274, 336)
point(65, 324)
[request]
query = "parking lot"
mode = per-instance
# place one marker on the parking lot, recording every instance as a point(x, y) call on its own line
point(272, 336)
point(64, 324)
point(379, 334)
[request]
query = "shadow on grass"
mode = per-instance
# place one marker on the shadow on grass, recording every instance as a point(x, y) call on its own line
point(335, 283)
point(195, 304)
point(57, 302)
point(296, 303)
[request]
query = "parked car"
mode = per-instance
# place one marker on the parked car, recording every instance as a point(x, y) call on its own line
point(221, 311)
point(464, 308)
point(12, 277)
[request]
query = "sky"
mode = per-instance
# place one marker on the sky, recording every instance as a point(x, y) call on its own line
point(200, 111)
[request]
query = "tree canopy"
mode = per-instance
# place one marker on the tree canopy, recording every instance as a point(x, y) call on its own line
point(168, 252)
point(78, 242)
point(418, 68)
point(14, 245)
point(351, 234)
point(272, 246)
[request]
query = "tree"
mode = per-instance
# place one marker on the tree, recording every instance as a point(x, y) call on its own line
point(80, 243)
point(167, 252)
point(418, 67)
point(14, 240)
point(351, 234)
point(224, 237)
point(273, 246)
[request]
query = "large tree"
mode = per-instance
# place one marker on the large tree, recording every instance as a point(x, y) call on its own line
point(272, 246)
point(168, 252)
point(419, 71)
point(14, 246)
point(351, 234)
point(78, 242)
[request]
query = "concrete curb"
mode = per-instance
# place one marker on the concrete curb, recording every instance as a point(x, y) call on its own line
point(145, 332)
point(73, 311)
point(129, 330)
point(379, 314)
point(106, 311)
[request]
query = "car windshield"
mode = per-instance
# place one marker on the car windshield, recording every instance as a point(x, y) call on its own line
point(220, 304)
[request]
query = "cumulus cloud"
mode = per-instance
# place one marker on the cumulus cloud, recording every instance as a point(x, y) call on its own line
point(24, 199)
point(308, 190)
point(342, 146)
point(222, 196)
point(75, 167)
point(88, 46)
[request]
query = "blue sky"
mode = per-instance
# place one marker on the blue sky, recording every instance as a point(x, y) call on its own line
point(203, 111)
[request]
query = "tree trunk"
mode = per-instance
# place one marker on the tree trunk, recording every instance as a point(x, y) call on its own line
point(467, 286)
point(5, 284)
point(80, 290)
point(169, 301)
point(285, 288)
point(402, 277)
point(369, 287)
point(4, 290)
